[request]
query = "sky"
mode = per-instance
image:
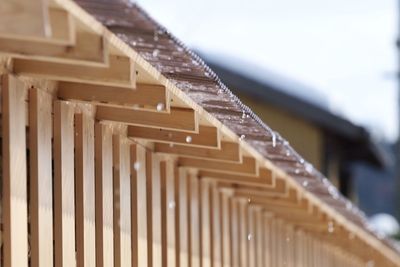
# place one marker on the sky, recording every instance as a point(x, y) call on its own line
point(344, 49)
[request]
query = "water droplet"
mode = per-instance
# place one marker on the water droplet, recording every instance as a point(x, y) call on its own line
point(160, 106)
point(136, 165)
point(244, 115)
point(305, 183)
point(220, 91)
point(309, 167)
point(171, 205)
point(188, 139)
point(287, 239)
point(349, 206)
point(242, 137)
point(273, 139)
point(249, 200)
point(171, 145)
point(133, 43)
point(155, 36)
point(287, 153)
point(296, 171)
point(249, 237)
point(331, 227)
point(156, 52)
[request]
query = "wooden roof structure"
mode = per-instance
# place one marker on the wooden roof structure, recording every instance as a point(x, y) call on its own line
point(112, 62)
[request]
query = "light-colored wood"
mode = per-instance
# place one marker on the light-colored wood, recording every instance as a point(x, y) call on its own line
point(264, 179)
point(119, 72)
point(247, 167)
point(84, 181)
point(104, 195)
point(144, 95)
point(244, 236)
point(28, 18)
point(235, 233)
point(228, 152)
point(122, 201)
point(177, 119)
point(184, 205)
point(41, 177)
point(88, 49)
point(206, 232)
point(64, 185)
point(194, 220)
point(207, 136)
point(62, 27)
point(149, 206)
point(139, 207)
point(216, 235)
point(155, 225)
point(226, 218)
point(15, 206)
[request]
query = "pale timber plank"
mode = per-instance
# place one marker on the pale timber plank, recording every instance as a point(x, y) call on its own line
point(104, 195)
point(41, 177)
point(15, 207)
point(64, 185)
point(85, 192)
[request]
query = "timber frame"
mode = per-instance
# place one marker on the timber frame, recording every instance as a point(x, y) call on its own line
point(116, 147)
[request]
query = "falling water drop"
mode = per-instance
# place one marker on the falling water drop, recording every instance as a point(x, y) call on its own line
point(171, 205)
point(136, 165)
point(273, 139)
point(331, 227)
point(188, 139)
point(242, 137)
point(171, 144)
point(160, 106)
point(305, 183)
point(244, 115)
point(155, 52)
point(249, 200)
point(249, 237)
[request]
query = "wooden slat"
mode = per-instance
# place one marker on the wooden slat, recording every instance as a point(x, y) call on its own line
point(252, 244)
point(122, 201)
point(168, 204)
point(84, 181)
point(226, 217)
point(41, 177)
point(15, 207)
point(183, 206)
point(62, 27)
point(216, 225)
point(64, 185)
point(155, 183)
point(244, 233)
point(145, 95)
point(194, 222)
point(28, 18)
point(228, 152)
point(120, 71)
point(207, 136)
point(247, 167)
point(104, 195)
point(178, 118)
point(265, 177)
point(139, 207)
point(88, 49)
point(235, 233)
point(206, 237)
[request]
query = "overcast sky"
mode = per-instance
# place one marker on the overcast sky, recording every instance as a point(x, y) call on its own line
point(342, 48)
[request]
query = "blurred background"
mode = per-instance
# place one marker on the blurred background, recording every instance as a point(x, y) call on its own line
point(322, 73)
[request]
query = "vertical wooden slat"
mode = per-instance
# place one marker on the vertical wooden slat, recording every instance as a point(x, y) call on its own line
point(251, 247)
point(260, 238)
point(244, 234)
point(226, 230)
point(15, 218)
point(155, 224)
point(84, 182)
point(41, 179)
point(216, 226)
point(194, 204)
point(181, 187)
point(64, 185)
point(104, 195)
point(235, 233)
point(267, 241)
point(207, 246)
point(168, 205)
point(122, 201)
point(139, 206)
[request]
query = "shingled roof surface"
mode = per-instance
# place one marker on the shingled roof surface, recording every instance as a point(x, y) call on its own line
point(191, 75)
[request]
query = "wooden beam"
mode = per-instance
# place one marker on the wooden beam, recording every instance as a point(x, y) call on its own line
point(207, 136)
point(64, 185)
point(89, 49)
point(278, 189)
point(145, 95)
point(178, 118)
point(120, 71)
point(14, 173)
point(265, 177)
point(41, 177)
point(62, 27)
point(229, 151)
point(248, 166)
point(27, 18)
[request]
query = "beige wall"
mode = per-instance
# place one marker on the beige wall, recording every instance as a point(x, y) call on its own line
point(306, 138)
